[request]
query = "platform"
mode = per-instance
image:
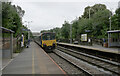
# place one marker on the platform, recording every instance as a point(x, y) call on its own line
point(33, 60)
point(94, 47)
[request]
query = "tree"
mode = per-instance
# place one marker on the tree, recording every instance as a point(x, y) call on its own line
point(75, 29)
point(100, 23)
point(20, 11)
point(83, 25)
point(116, 20)
point(57, 31)
point(44, 31)
point(12, 17)
point(0, 13)
point(65, 30)
point(93, 10)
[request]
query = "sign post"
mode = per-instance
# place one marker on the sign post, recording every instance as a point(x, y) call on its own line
point(22, 41)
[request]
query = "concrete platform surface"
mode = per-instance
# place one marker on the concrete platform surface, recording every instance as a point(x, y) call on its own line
point(33, 60)
point(95, 47)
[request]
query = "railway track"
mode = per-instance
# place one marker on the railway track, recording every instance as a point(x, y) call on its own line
point(107, 65)
point(65, 65)
point(87, 69)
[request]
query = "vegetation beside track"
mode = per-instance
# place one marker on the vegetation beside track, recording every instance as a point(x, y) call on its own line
point(12, 19)
point(95, 21)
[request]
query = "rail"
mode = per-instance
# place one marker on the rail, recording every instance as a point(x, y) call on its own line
point(102, 63)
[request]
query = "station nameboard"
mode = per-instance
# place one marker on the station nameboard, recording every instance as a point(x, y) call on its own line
point(83, 37)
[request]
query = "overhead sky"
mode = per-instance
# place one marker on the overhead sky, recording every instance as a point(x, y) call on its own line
point(48, 14)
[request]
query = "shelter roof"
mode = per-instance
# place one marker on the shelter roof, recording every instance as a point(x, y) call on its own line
point(5, 30)
point(114, 31)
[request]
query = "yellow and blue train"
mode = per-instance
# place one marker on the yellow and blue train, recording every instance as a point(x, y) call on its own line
point(47, 41)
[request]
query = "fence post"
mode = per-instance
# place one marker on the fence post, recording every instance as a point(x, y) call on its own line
point(11, 45)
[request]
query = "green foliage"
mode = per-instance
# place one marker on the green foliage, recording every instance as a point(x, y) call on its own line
point(65, 30)
point(116, 20)
point(57, 31)
point(61, 32)
point(75, 29)
point(44, 31)
point(92, 10)
point(12, 17)
point(17, 51)
point(98, 24)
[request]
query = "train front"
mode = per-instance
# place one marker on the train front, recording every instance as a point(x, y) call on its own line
point(48, 41)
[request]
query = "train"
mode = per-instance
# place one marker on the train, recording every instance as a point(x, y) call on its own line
point(47, 41)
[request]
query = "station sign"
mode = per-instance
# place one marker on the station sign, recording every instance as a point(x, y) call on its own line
point(83, 37)
point(25, 29)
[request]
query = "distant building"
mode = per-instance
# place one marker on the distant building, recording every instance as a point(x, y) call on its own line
point(35, 33)
point(119, 4)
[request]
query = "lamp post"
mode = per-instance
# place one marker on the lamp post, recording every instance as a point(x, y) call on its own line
point(110, 22)
point(90, 11)
point(109, 34)
point(110, 17)
point(28, 28)
point(71, 33)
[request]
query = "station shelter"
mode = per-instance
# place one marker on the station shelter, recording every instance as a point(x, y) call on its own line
point(114, 38)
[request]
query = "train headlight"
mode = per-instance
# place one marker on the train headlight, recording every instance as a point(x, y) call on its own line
point(44, 45)
point(53, 44)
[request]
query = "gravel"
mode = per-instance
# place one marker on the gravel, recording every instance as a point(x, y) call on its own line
point(66, 66)
point(81, 64)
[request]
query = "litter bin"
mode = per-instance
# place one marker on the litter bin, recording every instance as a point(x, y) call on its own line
point(105, 44)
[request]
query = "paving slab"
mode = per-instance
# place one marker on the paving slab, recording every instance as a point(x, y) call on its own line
point(33, 60)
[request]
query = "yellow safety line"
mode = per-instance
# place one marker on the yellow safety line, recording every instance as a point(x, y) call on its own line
point(33, 69)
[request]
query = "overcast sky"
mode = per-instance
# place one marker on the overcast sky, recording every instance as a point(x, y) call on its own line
point(47, 14)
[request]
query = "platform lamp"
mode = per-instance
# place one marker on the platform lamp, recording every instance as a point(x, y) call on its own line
point(71, 31)
point(28, 22)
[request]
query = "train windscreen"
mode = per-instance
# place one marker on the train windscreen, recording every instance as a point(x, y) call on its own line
point(48, 36)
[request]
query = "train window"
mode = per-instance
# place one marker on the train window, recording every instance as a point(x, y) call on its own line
point(52, 36)
point(48, 36)
point(44, 37)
